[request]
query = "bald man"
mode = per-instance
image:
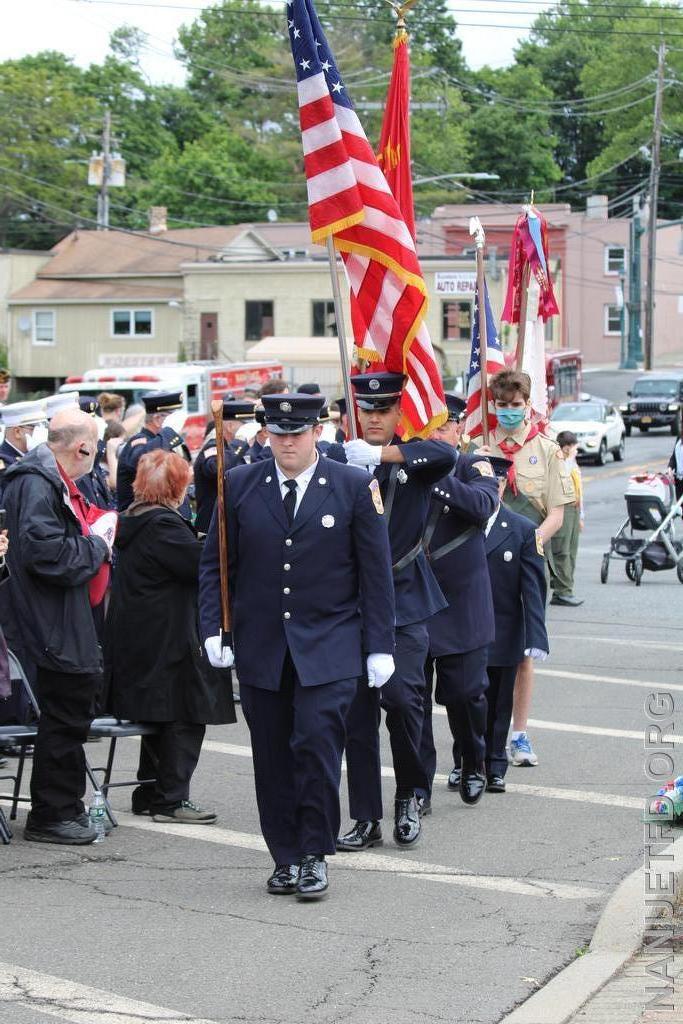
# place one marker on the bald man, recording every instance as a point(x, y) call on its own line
point(58, 568)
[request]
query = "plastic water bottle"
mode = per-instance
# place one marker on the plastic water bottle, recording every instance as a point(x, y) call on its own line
point(97, 814)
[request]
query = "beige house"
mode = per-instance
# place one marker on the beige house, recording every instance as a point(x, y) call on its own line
point(17, 268)
point(106, 297)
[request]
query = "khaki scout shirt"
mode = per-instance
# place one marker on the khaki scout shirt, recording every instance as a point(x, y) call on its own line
point(543, 479)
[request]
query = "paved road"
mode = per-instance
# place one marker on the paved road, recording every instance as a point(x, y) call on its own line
point(166, 923)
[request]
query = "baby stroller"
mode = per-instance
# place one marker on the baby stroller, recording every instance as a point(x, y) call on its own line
point(651, 507)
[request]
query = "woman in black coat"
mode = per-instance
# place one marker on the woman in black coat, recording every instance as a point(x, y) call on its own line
point(156, 670)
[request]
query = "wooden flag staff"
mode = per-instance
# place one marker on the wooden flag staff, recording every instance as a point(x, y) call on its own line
point(341, 335)
point(479, 241)
point(217, 410)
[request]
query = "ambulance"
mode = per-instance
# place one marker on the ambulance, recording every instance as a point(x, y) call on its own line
point(199, 383)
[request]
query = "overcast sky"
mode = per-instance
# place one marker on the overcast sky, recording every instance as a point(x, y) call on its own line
point(81, 28)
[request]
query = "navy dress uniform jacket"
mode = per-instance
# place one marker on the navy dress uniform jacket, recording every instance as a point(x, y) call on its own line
point(320, 587)
point(467, 498)
point(205, 473)
point(417, 593)
point(8, 455)
point(131, 453)
point(517, 570)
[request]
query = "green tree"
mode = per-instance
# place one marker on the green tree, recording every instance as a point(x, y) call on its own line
point(510, 132)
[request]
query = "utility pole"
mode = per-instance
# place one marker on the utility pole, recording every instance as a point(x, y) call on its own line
point(103, 196)
point(634, 344)
point(652, 223)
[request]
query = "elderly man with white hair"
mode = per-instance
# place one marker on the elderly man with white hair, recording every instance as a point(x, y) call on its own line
point(59, 570)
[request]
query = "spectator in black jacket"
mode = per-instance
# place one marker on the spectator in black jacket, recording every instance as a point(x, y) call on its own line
point(58, 563)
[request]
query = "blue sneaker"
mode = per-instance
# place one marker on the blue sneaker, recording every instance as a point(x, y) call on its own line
point(521, 752)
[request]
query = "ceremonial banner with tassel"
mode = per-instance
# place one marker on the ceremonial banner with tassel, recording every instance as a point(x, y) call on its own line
point(530, 300)
point(349, 199)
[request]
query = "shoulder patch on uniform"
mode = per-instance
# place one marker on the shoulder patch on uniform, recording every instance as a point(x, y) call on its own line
point(483, 468)
point(376, 497)
point(138, 440)
point(210, 452)
point(539, 544)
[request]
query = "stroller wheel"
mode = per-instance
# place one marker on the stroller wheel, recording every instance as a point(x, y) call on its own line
point(630, 570)
point(637, 571)
point(604, 569)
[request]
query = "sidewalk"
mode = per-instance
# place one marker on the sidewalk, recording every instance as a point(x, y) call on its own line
point(624, 978)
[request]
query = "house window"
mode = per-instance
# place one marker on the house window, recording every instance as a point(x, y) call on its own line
point(259, 321)
point(132, 323)
point(615, 259)
point(43, 328)
point(456, 321)
point(324, 323)
point(613, 320)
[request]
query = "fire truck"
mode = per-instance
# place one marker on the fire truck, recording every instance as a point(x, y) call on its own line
point(563, 374)
point(199, 383)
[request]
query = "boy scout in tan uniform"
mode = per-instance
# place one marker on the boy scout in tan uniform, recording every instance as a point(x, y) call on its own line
point(539, 486)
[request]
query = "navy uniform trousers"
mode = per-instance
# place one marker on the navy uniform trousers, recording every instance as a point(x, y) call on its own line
point(402, 699)
point(297, 735)
point(461, 684)
point(501, 691)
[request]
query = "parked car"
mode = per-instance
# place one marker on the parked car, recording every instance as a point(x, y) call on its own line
point(598, 427)
point(656, 400)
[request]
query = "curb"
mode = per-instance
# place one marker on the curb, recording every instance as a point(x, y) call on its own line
point(617, 937)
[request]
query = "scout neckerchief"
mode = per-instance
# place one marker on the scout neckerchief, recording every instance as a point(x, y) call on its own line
point(509, 448)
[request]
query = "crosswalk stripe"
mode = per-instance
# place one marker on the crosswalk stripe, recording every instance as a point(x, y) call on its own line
point(588, 730)
point(378, 862)
point(587, 677)
point(544, 792)
point(48, 995)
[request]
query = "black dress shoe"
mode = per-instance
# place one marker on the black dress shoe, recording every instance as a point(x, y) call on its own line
point(472, 786)
point(407, 827)
point(363, 835)
point(424, 806)
point(141, 800)
point(65, 833)
point(454, 778)
point(284, 879)
point(495, 784)
point(312, 884)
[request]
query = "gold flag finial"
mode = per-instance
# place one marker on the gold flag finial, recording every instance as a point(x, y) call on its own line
point(400, 12)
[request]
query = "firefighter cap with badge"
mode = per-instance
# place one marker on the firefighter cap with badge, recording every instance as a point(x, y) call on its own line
point(291, 414)
point(377, 390)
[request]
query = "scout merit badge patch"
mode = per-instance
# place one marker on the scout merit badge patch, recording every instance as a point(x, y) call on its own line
point(376, 497)
point(539, 545)
point(483, 468)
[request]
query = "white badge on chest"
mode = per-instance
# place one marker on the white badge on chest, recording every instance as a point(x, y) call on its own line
point(507, 556)
point(328, 522)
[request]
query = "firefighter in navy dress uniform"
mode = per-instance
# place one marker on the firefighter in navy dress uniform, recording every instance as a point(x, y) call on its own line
point(514, 552)
point(236, 453)
point(19, 420)
point(312, 611)
point(405, 474)
point(460, 634)
point(158, 406)
point(93, 485)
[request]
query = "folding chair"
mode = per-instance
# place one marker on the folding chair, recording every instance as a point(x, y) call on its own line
point(21, 734)
point(115, 729)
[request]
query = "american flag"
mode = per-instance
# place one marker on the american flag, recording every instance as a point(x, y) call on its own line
point(494, 363)
point(349, 198)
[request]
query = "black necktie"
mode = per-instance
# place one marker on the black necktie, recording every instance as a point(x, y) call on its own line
point(289, 500)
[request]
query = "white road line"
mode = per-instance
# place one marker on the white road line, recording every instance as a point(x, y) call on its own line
point(638, 642)
point(589, 730)
point(69, 1001)
point(588, 678)
point(378, 862)
point(545, 792)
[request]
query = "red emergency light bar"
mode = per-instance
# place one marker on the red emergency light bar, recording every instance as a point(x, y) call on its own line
point(74, 380)
point(144, 377)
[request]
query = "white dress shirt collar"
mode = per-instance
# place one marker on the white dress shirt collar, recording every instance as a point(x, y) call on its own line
point(302, 482)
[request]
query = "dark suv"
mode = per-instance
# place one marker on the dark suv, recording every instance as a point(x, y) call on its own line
point(655, 401)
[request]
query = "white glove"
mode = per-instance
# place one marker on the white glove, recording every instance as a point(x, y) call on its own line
point(360, 453)
point(105, 527)
point(218, 655)
point(380, 669)
point(535, 653)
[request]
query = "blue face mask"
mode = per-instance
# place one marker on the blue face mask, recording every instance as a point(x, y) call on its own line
point(510, 419)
